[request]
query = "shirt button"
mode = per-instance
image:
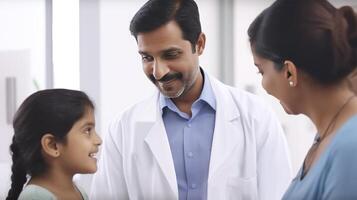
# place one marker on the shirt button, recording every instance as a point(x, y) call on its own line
point(189, 125)
point(190, 154)
point(193, 186)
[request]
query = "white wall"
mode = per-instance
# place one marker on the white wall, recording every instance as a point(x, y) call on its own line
point(22, 55)
point(122, 81)
point(65, 35)
point(22, 24)
point(209, 60)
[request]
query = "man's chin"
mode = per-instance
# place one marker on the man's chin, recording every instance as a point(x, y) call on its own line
point(171, 94)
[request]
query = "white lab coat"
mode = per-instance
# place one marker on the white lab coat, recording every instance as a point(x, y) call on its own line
point(249, 156)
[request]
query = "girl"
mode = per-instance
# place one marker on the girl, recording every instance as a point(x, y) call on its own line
point(54, 139)
point(305, 51)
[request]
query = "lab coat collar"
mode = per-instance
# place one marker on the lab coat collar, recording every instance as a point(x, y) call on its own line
point(225, 136)
point(225, 103)
point(227, 133)
point(158, 143)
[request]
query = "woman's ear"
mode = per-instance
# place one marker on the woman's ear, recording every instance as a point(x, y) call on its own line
point(201, 42)
point(290, 71)
point(50, 146)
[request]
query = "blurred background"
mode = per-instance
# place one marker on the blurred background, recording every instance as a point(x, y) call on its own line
point(86, 45)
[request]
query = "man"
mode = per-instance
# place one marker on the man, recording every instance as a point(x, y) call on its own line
point(195, 138)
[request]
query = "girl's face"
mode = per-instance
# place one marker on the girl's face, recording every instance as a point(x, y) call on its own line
point(78, 154)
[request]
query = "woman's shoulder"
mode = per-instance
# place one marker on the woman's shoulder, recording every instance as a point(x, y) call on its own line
point(345, 144)
point(348, 132)
point(32, 192)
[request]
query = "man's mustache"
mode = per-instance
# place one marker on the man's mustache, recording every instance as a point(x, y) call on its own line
point(167, 77)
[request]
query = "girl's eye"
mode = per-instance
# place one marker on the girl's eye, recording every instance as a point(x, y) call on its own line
point(88, 130)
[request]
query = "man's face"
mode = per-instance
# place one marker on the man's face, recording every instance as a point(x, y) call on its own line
point(168, 60)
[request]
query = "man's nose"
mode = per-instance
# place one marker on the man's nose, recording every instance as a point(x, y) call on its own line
point(160, 69)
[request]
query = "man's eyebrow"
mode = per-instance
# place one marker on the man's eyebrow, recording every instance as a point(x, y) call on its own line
point(142, 53)
point(162, 51)
point(171, 49)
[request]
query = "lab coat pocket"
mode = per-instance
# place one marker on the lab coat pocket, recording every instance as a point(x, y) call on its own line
point(242, 188)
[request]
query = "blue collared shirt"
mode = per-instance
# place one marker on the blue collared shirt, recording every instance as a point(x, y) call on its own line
point(190, 141)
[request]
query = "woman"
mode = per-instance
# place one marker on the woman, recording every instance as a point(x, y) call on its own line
point(305, 50)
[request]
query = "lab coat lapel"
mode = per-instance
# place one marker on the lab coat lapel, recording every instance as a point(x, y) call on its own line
point(226, 133)
point(158, 142)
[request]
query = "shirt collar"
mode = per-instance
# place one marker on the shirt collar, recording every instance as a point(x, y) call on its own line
point(207, 95)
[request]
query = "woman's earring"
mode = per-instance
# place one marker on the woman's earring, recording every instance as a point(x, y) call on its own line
point(291, 83)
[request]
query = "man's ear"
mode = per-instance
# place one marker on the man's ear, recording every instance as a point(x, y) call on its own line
point(50, 146)
point(201, 42)
point(291, 74)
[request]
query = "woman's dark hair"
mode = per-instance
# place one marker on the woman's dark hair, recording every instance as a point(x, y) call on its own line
point(156, 13)
point(320, 39)
point(48, 111)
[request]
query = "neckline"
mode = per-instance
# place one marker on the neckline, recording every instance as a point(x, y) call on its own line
point(339, 131)
point(51, 193)
point(332, 122)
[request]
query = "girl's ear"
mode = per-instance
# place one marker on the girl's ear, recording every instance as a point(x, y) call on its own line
point(291, 73)
point(50, 146)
